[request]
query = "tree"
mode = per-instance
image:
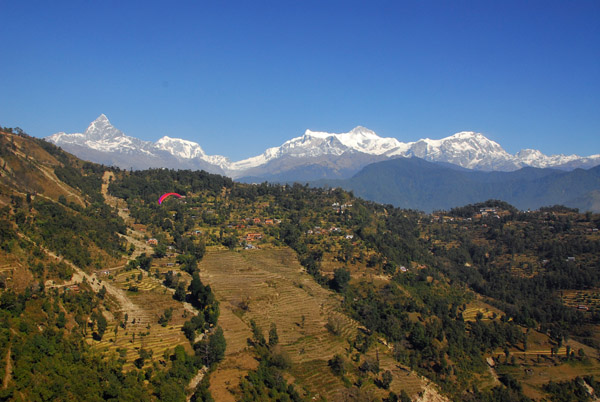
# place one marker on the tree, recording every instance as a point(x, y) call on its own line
point(341, 277)
point(211, 350)
point(189, 330)
point(101, 326)
point(273, 337)
point(144, 261)
point(160, 250)
point(337, 365)
point(180, 292)
point(386, 379)
point(166, 317)
point(217, 345)
point(61, 320)
point(257, 335)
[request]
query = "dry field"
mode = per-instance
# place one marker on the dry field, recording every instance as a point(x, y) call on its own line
point(587, 300)
point(487, 311)
point(270, 286)
point(143, 310)
point(537, 366)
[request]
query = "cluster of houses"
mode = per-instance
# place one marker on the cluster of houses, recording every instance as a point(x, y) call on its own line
point(340, 208)
point(255, 221)
point(317, 230)
point(253, 236)
point(483, 213)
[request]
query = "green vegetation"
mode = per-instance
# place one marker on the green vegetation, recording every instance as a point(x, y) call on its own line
point(267, 381)
point(448, 294)
point(438, 254)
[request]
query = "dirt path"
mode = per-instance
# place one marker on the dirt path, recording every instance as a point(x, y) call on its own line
point(8, 370)
point(114, 202)
point(430, 394)
point(52, 177)
point(195, 381)
point(79, 276)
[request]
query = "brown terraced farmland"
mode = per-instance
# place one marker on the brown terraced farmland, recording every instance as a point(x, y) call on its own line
point(270, 286)
point(142, 329)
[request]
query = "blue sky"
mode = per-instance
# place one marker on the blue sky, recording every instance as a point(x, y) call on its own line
point(240, 76)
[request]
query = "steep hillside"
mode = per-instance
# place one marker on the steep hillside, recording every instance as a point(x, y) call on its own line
point(73, 325)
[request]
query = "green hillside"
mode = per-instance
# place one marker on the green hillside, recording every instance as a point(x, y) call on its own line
point(278, 292)
point(418, 184)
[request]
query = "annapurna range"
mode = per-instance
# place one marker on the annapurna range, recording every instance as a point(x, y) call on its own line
point(314, 155)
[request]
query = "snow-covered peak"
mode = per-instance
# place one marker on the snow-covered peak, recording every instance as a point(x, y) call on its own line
point(180, 148)
point(102, 119)
point(364, 140)
point(102, 129)
point(466, 138)
point(467, 149)
point(363, 131)
point(529, 155)
point(359, 139)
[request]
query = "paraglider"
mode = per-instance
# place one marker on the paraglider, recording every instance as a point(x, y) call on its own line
point(166, 195)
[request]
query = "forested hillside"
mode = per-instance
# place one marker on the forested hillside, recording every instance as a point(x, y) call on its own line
point(282, 292)
point(426, 186)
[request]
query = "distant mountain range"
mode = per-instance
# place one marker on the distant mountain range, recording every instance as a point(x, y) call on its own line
point(427, 174)
point(418, 184)
point(312, 156)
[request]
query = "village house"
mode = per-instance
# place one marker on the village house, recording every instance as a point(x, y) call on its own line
point(152, 242)
point(74, 288)
point(253, 236)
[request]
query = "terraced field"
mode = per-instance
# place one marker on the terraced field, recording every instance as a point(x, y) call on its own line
point(142, 329)
point(487, 312)
point(270, 286)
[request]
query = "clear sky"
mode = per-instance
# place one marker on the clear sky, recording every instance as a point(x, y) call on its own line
point(240, 76)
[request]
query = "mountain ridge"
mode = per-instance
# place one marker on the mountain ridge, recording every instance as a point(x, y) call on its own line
point(419, 184)
point(466, 149)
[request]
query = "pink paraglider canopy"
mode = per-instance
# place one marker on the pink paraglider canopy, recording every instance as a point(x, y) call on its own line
point(164, 196)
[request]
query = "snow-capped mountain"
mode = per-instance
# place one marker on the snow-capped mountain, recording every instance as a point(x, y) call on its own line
point(324, 154)
point(103, 143)
point(466, 149)
point(104, 137)
point(315, 144)
point(184, 149)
